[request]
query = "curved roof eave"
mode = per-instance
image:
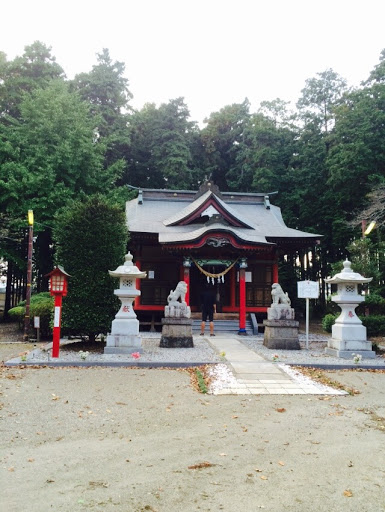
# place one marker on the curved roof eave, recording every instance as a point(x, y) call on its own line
point(216, 228)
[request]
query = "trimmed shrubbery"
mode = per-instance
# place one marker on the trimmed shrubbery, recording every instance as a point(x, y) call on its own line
point(41, 305)
point(328, 321)
point(375, 324)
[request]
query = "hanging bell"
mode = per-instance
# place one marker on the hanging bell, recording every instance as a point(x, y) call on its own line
point(208, 279)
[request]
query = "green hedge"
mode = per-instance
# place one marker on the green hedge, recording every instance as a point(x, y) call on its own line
point(328, 321)
point(41, 305)
point(375, 324)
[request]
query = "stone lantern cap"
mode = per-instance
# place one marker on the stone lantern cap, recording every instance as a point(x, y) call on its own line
point(348, 276)
point(128, 269)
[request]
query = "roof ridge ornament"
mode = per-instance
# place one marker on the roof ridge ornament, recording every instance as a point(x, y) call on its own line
point(208, 185)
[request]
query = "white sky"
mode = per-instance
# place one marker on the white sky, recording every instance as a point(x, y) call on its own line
point(211, 52)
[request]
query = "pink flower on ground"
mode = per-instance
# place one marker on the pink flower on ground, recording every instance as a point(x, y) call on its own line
point(135, 355)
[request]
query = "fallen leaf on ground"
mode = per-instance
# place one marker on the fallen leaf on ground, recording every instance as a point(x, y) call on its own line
point(263, 477)
point(281, 409)
point(201, 465)
point(281, 463)
point(348, 493)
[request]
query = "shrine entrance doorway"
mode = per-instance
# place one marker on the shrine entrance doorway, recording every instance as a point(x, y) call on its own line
point(221, 284)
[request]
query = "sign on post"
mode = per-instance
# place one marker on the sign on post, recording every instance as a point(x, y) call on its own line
point(307, 290)
point(36, 324)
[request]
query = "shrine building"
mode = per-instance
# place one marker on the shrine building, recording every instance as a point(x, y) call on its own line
point(230, 240)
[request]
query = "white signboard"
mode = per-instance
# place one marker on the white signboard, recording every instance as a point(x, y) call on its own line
point(36, 322)
point(56, 318)
point(308, 289)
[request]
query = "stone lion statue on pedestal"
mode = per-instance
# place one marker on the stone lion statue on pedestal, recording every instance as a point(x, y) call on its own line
point(179, 293)
point(279, 296)
point(175, 308)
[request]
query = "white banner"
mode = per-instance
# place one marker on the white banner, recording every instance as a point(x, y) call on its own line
point(56, 319)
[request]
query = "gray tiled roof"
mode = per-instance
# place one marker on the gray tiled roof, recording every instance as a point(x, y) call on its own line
point(192, 207)
point(155, 215)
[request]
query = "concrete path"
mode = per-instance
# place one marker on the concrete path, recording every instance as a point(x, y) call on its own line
point(254, 375)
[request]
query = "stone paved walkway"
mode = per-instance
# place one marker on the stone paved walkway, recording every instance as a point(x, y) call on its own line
point(254, 375)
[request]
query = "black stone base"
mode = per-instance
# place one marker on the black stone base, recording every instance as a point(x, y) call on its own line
point(176, 342)
point(283, 344)
point(281, 334)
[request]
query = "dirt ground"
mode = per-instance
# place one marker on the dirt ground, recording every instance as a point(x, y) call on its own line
point(117, 439)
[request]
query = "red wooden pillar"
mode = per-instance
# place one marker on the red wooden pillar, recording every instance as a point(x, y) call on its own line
point(56, 325)
point(275, 271)
point(242, 296)
point(186, 277)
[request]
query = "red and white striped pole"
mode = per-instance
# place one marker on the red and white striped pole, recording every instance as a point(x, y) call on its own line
point(242, 296)
point(56, 325)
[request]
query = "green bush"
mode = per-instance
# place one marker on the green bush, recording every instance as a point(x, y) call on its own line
point(375, 324)
point(375, 303)
point(328, 321)
point(17, 314)
point(41, 305)
point(91, 238)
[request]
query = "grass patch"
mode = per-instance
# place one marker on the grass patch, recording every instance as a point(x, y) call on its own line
point(201, 382)
point(199, 378)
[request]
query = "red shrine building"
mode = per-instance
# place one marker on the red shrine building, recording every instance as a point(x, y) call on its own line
point(230, 240)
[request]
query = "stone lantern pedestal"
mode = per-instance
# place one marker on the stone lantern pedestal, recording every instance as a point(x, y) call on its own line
point(124, 337)
point(348, 333)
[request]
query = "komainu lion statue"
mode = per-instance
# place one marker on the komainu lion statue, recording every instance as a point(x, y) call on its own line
point(278, 295)
point(179, 293)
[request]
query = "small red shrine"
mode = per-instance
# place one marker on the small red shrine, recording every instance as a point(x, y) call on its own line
point(228, 239)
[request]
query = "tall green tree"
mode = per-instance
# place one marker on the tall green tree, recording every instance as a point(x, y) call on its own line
point(91, 238)
point(319, 98)
point(35, 69)
point(162, 143)
point(222, 138)
point(264, 157)
point(106, 90)
point(47, 159)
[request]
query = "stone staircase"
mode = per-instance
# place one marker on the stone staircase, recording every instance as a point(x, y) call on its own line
point(222, 324)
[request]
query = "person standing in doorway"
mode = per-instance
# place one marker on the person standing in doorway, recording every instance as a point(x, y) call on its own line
point(208, 302)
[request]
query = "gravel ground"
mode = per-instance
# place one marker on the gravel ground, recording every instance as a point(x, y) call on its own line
point(315, 354)
point(201, 353)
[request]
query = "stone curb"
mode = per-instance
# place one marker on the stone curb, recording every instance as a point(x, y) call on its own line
point(112, 364)
point(128, 364)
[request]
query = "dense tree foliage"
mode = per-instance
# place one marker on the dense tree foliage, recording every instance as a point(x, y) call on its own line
point(162, 147)
point(91, 238)
point(62, 140)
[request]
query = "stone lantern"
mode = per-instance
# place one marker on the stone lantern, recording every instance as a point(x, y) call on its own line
point(124, 337)
point(348, 333)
